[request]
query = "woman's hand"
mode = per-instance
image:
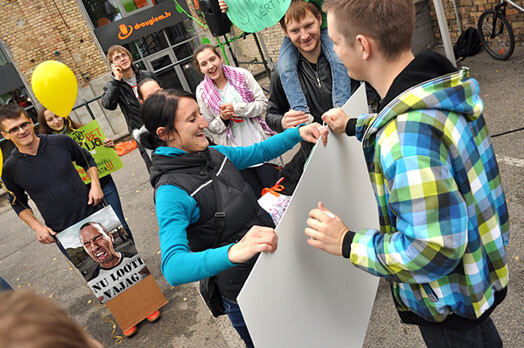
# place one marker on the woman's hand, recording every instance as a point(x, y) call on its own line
point(109, 142)
point(257, 239)
point(325, 230)
point(227, 111)
point(313, 132)
point(223, 6)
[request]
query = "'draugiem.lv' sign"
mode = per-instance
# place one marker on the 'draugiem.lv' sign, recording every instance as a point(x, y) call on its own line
point(143, 23)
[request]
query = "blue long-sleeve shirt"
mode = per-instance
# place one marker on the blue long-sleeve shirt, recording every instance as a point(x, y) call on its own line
point(176, 210)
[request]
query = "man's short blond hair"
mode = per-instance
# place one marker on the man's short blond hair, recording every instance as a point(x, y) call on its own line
point(389, 22)
point(117, 49)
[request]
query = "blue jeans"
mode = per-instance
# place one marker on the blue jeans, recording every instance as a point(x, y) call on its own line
point(111, 197)
point(484, 335)
point(4, 286)
point(236, 318)
point(287, 68)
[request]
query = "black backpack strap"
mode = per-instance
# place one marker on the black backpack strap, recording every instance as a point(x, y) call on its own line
point(220, 215)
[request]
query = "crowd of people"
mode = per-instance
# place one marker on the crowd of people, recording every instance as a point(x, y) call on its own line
point(443, 223)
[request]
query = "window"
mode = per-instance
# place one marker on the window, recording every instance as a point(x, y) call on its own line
point(102, 12)
point(131, 5)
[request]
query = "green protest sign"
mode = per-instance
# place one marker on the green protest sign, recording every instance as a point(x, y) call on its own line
point(252, 16)
point(91, 137)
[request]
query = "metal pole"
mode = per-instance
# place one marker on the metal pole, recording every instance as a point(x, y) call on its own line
point(457, 15)
point(264, 48)
point(262, 54)
point(231, 51)
point(86, 104)
point(444, 33)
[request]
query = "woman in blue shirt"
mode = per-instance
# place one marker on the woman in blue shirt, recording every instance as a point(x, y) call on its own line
point(209, 219)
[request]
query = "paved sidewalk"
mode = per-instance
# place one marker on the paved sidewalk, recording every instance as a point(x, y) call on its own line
point(186, 321)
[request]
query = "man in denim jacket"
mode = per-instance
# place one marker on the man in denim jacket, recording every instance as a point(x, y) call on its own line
point(323, 80)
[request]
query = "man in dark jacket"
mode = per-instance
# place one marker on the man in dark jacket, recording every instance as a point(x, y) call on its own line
point(42, 167)
point(122, 91)
point(317, 69)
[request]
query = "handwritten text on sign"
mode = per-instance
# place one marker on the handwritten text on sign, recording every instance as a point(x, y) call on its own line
point(255, 15)
point(91, 137)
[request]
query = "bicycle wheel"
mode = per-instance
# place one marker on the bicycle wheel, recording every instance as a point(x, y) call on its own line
point(499, 41)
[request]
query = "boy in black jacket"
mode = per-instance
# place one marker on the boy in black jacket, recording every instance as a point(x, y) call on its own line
point(122, 91)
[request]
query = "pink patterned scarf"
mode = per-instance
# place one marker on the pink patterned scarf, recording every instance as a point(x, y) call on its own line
point(213, 100)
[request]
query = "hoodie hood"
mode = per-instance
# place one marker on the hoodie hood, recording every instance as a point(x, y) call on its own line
point(454, 92)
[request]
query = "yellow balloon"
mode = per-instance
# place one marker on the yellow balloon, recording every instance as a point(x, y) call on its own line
point(1, 163)
point(55, 86)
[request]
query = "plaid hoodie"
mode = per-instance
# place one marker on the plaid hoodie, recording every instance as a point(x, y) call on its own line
point(443, 214)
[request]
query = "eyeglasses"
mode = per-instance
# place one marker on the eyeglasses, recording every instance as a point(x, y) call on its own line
point(24, 126)
point(118, 58)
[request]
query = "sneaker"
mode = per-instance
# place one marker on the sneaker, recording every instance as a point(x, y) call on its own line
point(131, 331)
point(153, 316)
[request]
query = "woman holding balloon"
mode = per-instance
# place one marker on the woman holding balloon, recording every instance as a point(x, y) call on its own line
point(49, 123)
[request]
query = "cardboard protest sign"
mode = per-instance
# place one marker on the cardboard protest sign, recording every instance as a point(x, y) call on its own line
point(301, 296)
point(253, 16)
point(91, 137)
point(100, 248)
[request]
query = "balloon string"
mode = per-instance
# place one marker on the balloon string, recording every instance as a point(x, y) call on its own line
point(12, 195)
point(73, 129)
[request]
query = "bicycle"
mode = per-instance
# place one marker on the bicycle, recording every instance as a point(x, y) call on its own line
point(495, 31)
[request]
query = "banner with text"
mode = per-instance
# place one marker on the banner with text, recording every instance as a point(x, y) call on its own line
point(255, 15)
point(91, 137)
point(103, 252)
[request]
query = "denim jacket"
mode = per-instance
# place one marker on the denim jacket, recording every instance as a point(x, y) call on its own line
point(287, 67)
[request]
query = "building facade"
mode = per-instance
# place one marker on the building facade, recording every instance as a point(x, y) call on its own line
point(469, 12)
point(160, 34)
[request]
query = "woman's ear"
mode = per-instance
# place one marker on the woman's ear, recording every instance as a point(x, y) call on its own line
point(162, 133)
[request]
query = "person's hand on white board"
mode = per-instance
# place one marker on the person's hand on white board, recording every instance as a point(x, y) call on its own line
point(336, 119)
point(325, 230)
point(258, 239)
point(312, 132)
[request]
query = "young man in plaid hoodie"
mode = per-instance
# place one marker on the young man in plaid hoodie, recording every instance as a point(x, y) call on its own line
point(443, 214)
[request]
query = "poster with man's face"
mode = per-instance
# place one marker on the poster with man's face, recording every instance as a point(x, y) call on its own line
point(103, 252)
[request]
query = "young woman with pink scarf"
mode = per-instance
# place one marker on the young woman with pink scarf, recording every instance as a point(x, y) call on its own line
point(234, 105)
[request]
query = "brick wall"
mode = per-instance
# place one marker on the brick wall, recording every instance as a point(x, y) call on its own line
point(246, 49)
point(35, 30)
point(470, 11)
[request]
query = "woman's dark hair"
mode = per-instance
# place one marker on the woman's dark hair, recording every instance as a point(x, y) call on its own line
point(159, 110)
point(143, 82)
point(201, 49)
point(43, 127)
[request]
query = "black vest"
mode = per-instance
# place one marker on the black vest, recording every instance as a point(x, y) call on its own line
point(191, 172)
